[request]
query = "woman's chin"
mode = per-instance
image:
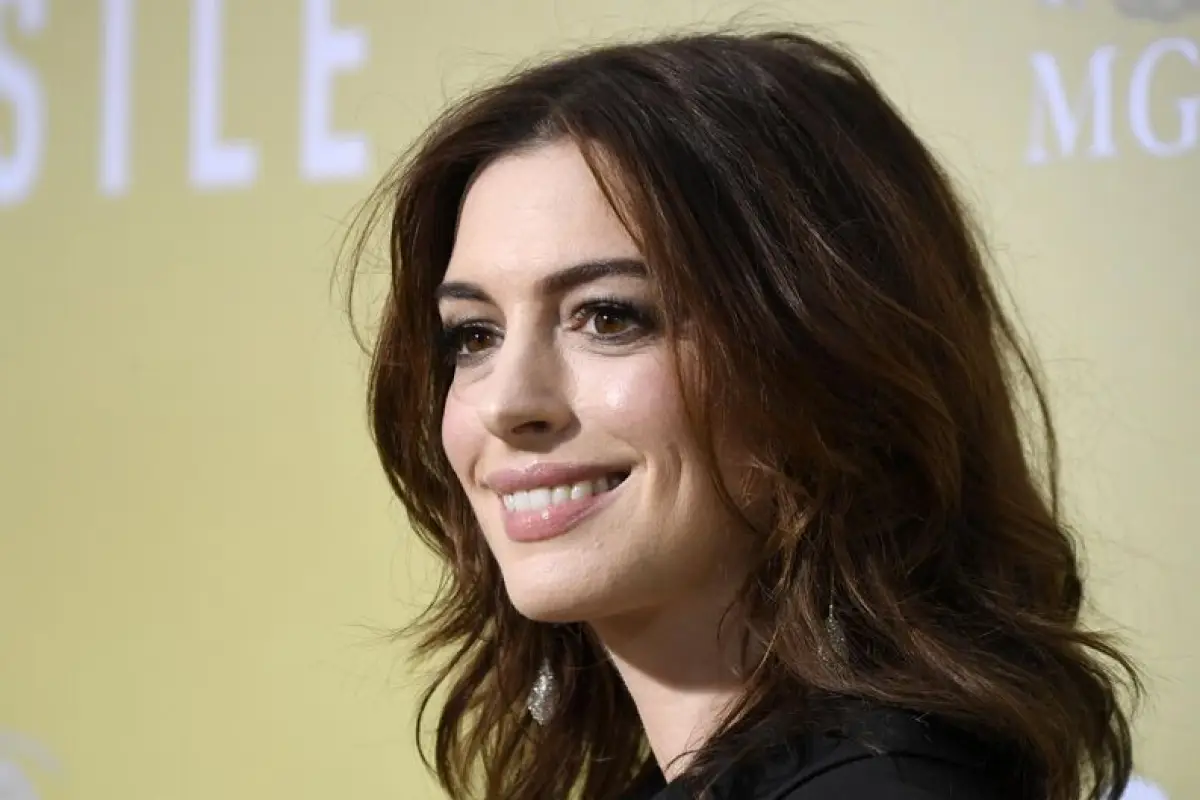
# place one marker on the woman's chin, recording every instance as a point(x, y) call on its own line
point(557, 605)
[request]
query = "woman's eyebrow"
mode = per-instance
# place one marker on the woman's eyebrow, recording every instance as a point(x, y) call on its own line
point(556, 282)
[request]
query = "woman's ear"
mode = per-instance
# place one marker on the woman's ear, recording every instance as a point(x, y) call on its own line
point(752, 489)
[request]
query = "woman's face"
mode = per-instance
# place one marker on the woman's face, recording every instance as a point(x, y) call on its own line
point(564, 421)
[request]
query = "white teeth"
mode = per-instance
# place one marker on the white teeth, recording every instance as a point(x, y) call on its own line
point(538, 499)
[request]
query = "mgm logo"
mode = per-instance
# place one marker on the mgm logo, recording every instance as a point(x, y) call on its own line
point(1118, 100)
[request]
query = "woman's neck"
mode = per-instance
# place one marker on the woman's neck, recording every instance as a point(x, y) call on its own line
point(681, 674)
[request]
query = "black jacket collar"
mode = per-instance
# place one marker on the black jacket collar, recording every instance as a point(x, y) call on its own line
point(870, 733)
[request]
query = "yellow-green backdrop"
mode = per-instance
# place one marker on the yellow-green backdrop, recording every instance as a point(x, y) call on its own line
point(196, 549)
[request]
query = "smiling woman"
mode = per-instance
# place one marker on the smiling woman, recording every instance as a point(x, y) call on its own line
point(564, 421)
point(692, 374)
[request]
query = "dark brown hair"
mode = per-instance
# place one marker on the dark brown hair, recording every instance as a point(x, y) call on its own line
point(845, 316)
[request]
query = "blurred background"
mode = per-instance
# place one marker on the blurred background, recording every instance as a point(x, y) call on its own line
point(198, 555)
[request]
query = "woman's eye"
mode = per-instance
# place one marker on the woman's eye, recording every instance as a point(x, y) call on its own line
point(613, 321)
point(475, 340)
point(468, 340)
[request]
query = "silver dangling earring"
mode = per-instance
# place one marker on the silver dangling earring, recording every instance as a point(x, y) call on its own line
point(836, 634)
point(833, 651)
point(544, 695)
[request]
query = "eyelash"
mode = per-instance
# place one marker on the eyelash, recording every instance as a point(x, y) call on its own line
point(642, 322)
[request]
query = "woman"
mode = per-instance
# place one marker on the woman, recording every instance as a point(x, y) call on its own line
point(692, 374)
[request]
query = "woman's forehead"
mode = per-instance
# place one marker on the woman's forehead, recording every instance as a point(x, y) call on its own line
point(533, 213)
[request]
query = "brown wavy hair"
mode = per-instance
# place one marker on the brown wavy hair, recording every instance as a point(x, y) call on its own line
point(842, 309)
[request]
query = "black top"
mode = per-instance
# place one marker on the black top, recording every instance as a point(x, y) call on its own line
point(882, 755)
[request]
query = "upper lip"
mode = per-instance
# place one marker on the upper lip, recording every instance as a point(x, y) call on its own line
point(544, 475)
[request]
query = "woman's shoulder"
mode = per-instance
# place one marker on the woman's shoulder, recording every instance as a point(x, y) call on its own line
point(872, 754)
point(891, 754)
point(890, 776)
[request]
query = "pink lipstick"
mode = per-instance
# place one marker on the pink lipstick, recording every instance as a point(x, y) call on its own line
point(543, 501)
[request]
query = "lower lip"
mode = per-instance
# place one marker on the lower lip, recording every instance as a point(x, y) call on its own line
point(556, 520)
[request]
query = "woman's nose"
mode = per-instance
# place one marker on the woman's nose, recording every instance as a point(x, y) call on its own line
point(526, 396)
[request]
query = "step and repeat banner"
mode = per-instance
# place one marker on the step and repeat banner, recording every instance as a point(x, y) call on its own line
point(197, 556)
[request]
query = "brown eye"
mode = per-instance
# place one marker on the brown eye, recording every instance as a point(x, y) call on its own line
point(614, 321)
point(469, 341)
point(475, 340)
point(611, 322)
